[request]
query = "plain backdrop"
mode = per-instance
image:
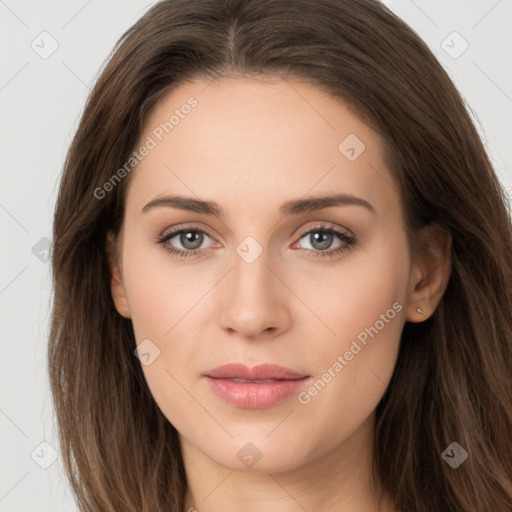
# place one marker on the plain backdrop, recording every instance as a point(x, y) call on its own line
point(52, 52)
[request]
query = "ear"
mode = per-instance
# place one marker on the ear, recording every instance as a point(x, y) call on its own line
point(430, 273)
point(116, 280)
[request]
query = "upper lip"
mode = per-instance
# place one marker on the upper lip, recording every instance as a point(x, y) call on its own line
point(259, 372)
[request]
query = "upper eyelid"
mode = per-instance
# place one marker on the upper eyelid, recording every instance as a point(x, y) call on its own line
point(326, 226)
point(171, 233)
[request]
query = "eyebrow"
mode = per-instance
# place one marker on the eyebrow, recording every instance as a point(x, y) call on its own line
point(292, 207)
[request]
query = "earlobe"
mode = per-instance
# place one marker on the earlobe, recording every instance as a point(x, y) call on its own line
point(116, 280)
point(430, 275)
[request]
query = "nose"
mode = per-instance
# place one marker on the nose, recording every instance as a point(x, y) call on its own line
point(254, 299)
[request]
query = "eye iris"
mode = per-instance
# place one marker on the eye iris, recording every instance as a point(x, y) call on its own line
point(194, 237)
point(324, 238)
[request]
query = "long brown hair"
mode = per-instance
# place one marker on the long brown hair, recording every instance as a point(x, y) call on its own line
point(452, 380)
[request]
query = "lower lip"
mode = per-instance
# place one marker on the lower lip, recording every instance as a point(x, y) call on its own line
point(248, 395)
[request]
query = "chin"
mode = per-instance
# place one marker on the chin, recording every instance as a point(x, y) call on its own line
point(259, 454)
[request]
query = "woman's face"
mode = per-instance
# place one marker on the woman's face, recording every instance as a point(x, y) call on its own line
point(264, 281)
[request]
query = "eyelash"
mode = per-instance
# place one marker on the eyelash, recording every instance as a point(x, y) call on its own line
point(348, 241)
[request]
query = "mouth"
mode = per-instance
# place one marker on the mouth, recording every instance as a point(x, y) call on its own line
point(254, 373)
point(256, 387)
point(254, 381)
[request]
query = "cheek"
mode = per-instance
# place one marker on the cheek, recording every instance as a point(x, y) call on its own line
point(161, 293)
point(351, 295)
point(162, 308)
point(165, 304)
point(365, 309)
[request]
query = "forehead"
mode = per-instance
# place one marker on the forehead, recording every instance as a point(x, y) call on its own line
point(254, 140)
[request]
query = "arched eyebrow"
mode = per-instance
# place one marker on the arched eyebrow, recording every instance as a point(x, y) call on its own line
point(292, 207)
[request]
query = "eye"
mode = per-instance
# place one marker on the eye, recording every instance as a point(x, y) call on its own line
point(189, 238)
point(321, 238)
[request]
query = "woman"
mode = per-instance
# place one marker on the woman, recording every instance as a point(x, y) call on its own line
point(237, 368)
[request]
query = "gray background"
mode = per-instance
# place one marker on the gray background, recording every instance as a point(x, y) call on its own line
point(41, 98)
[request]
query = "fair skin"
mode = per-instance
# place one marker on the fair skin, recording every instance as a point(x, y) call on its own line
point(250, 147)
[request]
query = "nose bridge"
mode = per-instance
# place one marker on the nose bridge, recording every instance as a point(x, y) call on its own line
point(253, 302)
point(251, 273)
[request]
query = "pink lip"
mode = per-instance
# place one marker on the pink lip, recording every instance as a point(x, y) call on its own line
point(254, 395)
point(260, 372)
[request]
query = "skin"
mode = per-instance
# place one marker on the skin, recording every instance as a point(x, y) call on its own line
point(250, 146)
